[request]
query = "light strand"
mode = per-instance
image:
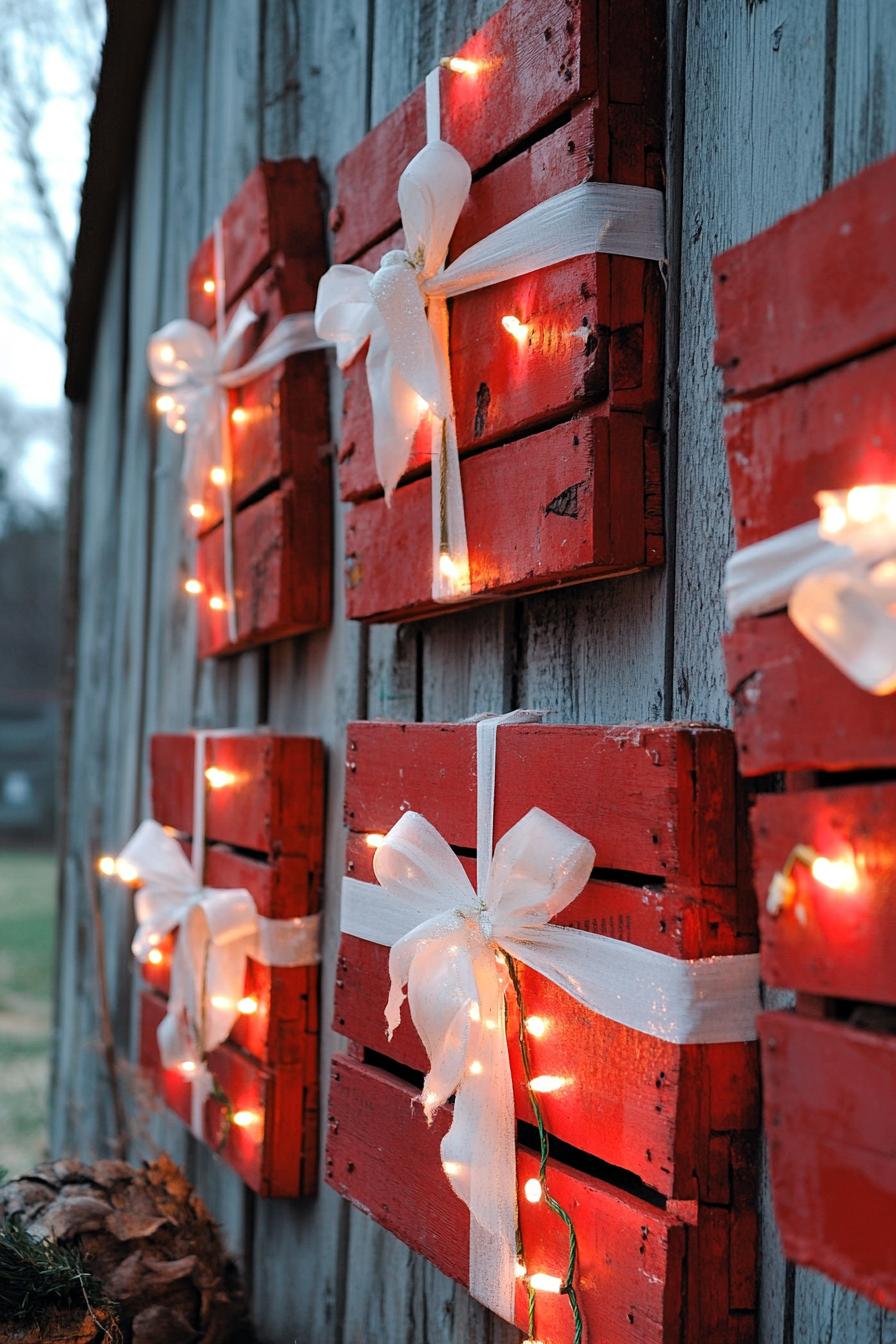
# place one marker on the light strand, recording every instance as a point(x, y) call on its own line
point(567, 1284)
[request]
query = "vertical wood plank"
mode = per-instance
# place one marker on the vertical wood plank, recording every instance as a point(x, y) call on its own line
point(864, 111)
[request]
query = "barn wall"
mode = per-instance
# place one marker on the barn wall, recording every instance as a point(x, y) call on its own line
point(769, 102)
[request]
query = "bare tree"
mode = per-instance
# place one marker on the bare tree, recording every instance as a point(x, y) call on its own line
point(49, 53)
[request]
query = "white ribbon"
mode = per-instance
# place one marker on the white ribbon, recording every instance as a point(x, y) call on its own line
point(402, 309)
point(444, 937)
point(217, 930)
point(837, 578)
point(197, 368)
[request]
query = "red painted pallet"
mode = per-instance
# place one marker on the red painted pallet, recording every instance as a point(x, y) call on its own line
point(274, 256)
point(537, 512)
point(654, 1144)
point(808, 352)
point(264, 832)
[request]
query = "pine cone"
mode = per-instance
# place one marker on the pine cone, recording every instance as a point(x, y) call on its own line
point(149, 1240)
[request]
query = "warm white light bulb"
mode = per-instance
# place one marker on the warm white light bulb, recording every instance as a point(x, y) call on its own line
point(221, 1002)
point(863, 502)
point(547, 1082)
point(192, 586)
point(545, 1283)
point(208, 286)
point(218, 476)
point(239, 415)
point(155, 957)
point(219, 779)
point(459, 65)
point(447, 566)
point(422, 405)
point(532, 1190)
point(517, 329)
point(164, 403)
point(476, 1067)
point(452, 1168)
point(475, 1015)
point(243, 1119)
point(836, 874)
point(536, 1026)
point(217, 603)
point(197, 510)
point(519, 1272)
point(187, 1066)
point(167, 353)
point(106, 865)
point(125, 871)
point(247, 1005)
point(374, 839)
point(180, 426)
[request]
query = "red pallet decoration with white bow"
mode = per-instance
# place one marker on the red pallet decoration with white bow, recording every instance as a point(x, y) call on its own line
point(264, 832)
point(807, 343)
point(569, 488)
point(653, 1143)
point(273, 244)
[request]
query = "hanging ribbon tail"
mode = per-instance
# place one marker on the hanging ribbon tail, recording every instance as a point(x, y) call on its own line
point(229, 347)
point(293, 335)
point(396, 410)
point(848, 615)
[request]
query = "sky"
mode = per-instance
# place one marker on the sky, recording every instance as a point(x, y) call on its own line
point(52, 40)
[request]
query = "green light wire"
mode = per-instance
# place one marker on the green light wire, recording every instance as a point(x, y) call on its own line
point(568, 1283)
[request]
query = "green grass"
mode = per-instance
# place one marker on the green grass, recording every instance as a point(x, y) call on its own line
point(27, 924)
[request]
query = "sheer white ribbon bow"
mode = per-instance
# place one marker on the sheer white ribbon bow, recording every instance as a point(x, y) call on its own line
point(217, 930)
point(402, 310)
point(193, 365)
point(447, 943)
point(837, 578)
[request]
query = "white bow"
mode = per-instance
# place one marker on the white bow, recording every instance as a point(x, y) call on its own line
point(837, 578)
point(188, 361)
point(456, 979)
point(218, 929)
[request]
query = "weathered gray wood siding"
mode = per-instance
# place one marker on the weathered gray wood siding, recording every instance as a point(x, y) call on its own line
point(769, 102)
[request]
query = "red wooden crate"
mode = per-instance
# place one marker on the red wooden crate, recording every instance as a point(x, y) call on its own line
point(273, 259)
point(594, 323)
point(657, 1138)
point(264, 832)
point(807, 342)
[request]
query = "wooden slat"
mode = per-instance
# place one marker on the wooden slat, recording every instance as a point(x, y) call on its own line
point(653, 800)
point(576, 502)
point(832, 432)
point(276, 1155)
point(814, 290)
point(274, 806)
point(537, 64)
point(842, 943)
point(830, 1101)
point(794, 710)
point(274, 221)
point(282, 568)
point(631, 1253)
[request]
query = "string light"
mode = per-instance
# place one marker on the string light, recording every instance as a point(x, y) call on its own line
point(514, 327)
point(448, 567)
point(239, 415)
point(375, 839)
point(217, 603)
point(197, 510)
point(125, 871)
point(167, 353)
point(164, 403)
point(476, 1067)
point(536, 1026)
point(192, 586)
point(836, 874)
point(187, 1066)
point(106, 865)
point(451, 1168)
point(423, 406)
point(547, 1082)
point(459, 65)
point(532, 1190)
point(221, 1002)
point(545, 1283)
point(180, 426)
point(155, 956)
point(519, 1272)
point(247, 1005)
point(219, 779)
point(218, 476)
point(839, 875)
point(475, 1014)
point(244, 1119)
point(208, 286)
